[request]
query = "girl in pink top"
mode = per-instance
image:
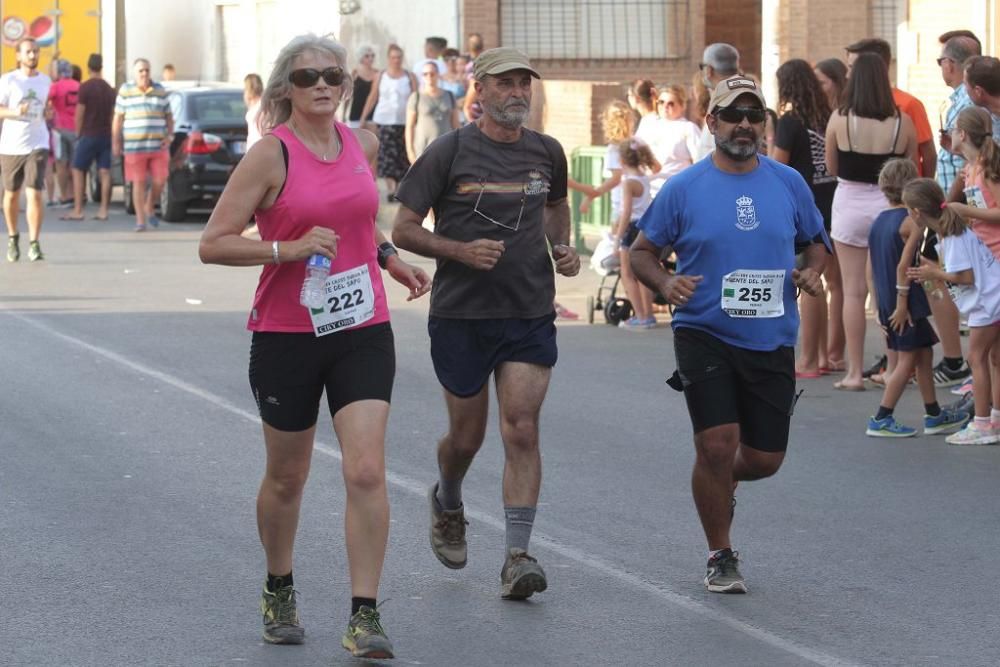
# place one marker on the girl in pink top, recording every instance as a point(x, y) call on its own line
point(310, 186)
point(972, 136)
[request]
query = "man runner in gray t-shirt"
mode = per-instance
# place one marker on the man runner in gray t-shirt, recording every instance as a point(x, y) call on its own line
point(498, 192)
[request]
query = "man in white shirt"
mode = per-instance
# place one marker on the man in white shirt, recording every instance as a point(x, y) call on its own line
point(24, 145)
point(719, 62)
point(433, 49)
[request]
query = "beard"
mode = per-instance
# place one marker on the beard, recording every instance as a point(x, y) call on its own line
point(735, 150)
point(511, 116)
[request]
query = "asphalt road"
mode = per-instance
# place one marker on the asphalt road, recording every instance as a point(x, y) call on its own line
point(131, 455)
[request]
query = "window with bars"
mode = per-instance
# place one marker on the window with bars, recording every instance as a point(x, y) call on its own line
point(596, 29)
point(886, 17)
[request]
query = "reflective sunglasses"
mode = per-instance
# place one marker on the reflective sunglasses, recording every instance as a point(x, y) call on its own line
point(735, 115)
point(307, 77)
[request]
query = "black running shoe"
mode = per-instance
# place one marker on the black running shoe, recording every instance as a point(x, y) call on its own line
point(878, 367)
point(723, 574)
point(946, 377)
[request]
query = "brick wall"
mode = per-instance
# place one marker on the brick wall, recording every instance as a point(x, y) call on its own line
point(736, 22)
point(482, 16)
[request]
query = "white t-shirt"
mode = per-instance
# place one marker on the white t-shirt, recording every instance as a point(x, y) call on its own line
point(980, 302)
point(674, 144)
point(613, 160)
point(253, 132)
point(640, 203)
point(26, 133)
point(392, 96)
point(706, 144)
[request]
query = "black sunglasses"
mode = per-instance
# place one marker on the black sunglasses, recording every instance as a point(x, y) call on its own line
point(307, 77)
point(736, 115)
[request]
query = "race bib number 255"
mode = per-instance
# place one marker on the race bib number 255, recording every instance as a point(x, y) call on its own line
point(751, 293)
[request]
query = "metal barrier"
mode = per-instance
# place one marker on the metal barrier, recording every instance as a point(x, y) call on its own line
point(587, 166)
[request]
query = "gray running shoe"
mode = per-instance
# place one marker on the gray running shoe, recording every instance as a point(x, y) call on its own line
point(448, 533)
point(365, 637)
point(14, 248)
point(724, 573)
point(521, 576)
point(281, 616)
point(35, 252)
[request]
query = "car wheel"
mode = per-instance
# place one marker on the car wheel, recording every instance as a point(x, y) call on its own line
point(171, 209)
point(127, 194)
point(94, 184)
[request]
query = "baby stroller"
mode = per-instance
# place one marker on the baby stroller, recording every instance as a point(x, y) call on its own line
point(606, 262)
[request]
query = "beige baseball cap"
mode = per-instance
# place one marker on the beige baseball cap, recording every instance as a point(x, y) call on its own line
point(729, 89)
point(500, 60)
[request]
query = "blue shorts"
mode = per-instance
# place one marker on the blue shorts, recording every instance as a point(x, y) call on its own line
point(89, 149)
point(920, 335)
point(466, 352)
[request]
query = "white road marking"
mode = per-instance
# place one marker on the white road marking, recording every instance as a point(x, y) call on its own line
point(419, 489)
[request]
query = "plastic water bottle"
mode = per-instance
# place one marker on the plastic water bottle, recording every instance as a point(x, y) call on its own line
point(313, 287)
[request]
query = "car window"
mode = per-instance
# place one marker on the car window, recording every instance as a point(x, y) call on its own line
point(217, 108)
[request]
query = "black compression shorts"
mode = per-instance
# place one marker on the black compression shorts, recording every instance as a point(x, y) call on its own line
point(289, 371)
point(724, 384)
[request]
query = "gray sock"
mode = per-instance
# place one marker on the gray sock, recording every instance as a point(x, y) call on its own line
point(519, 523)
point(449, 494)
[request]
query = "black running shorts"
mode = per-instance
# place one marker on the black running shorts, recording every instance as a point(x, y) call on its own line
point(288, 372)
point(725, 384)
point(466, 352)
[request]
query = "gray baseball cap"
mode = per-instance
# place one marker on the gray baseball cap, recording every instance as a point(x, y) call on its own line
point(500, 60)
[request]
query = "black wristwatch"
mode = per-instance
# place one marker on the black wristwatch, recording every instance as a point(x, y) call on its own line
point(385, 251)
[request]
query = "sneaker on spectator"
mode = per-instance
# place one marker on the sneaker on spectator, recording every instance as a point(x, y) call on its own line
point(635, 324)
point(946, 421)
point(889, 428)
point(963, 389)
point(966, 404)
point(974, 434)
point(946, 377)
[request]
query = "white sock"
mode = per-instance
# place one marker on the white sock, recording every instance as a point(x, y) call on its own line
point(983, 421)
point(995, 415)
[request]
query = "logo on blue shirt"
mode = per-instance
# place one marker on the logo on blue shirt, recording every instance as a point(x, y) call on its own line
point(746, 215)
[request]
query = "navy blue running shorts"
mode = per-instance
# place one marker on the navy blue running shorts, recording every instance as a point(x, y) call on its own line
point(725, 384)
point(289, 371)
point(466, 352)
point(915, 337)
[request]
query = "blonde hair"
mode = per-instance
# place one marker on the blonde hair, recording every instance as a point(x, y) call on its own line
point(678, 91)
point(977, 123)
point(927, 197)
point(636, 154)
point(895, 174)
point(276, 103)
point(618, 122)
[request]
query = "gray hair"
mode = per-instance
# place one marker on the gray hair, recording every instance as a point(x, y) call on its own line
point(363, 51)
point(960, 49)
point(276, 103)
point(723, 58)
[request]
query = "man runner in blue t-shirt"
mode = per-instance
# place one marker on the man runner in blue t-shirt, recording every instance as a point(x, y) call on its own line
point(734, 222)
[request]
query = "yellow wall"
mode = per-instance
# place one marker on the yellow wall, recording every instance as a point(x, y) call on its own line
point(79, 29)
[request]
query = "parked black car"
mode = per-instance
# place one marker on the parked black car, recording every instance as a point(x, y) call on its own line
point(210, 138)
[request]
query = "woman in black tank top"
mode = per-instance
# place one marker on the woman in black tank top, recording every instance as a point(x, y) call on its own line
point(867, 119)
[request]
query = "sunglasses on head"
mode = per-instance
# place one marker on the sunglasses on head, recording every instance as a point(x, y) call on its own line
point(308, 76)
point(736, 115)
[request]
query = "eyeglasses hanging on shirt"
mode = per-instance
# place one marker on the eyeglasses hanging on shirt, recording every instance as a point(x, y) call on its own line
point(517, 223)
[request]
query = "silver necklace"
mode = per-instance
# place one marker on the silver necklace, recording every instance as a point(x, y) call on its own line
point(295, 129)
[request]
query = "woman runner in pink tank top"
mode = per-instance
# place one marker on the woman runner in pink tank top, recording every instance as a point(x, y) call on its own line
point(310, 186)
